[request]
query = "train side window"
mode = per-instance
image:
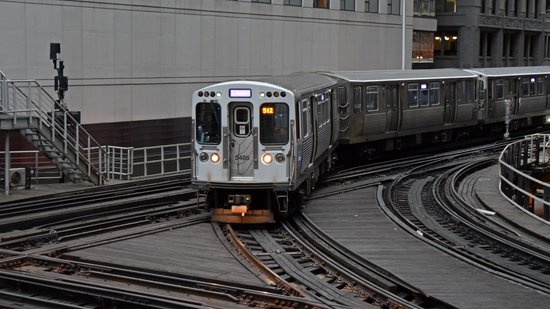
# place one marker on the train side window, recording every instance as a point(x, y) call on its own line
point(305, 121)
point(273, 123)
point(328, 98)
point(434, 93)
point(413, 95)
point(469, 91)
point(341, 97)
point(525, 88)
point(372, 98)
point(540, 86)
point(357, 100)
point(424, 95)
point(499, 89)
point(208, 126)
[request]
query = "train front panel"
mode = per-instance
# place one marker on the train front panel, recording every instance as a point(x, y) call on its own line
point(243, 151)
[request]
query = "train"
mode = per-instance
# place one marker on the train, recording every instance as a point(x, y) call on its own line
point(260, 146)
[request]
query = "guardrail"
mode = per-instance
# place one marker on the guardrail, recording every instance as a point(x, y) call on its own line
point(161, 160)
point(525, 174)
point(125, 163)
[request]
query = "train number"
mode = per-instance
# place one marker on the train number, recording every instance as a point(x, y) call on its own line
point(242, 157)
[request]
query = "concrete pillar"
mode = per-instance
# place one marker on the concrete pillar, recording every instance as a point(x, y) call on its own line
point(497, 48)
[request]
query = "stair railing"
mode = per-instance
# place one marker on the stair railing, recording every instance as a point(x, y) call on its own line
point(27, 99)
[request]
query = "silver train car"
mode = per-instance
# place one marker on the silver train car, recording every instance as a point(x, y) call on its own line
point(260, 146)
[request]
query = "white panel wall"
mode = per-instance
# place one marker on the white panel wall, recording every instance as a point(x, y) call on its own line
point(136, 60)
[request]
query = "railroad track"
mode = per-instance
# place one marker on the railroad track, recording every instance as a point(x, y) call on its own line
point(425, 201)
point(58, 220)
point(305, 262)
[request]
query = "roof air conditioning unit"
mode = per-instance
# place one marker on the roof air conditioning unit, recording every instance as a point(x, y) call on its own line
point(17, 176)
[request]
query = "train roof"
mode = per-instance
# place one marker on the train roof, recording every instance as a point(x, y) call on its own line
point(401, 75)
point(301, 82)
point(511, 71)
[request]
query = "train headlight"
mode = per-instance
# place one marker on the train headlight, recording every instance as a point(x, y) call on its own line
point(267, 158)
point(203, 157)
point(280, 158)
point(215, 157)
point(547, 119)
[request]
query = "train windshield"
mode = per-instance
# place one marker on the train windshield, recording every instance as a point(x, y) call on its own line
point(208, 126)
point(274, 123)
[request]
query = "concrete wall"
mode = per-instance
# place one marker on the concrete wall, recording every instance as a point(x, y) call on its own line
point(133, 60)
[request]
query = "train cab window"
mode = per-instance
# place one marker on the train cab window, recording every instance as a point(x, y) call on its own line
point(273, 123)
point(413, 95)
point(357, 100)
point(424, 95)
point(434, 93)
point(208, 126)
point(499, 89)
point(372, 98)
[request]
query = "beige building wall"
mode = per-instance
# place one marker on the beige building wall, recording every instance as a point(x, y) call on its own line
point(142, 59)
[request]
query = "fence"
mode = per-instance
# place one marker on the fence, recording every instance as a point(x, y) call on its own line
point(524, 173)
point(125, 163)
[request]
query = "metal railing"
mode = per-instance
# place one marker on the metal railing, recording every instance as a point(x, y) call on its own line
point(26, 100)
point(161, 160)
point(523, 169)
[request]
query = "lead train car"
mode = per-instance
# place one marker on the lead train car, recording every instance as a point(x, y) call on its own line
point(257, 143)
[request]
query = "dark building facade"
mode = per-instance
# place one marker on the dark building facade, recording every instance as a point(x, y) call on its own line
point(491, 33)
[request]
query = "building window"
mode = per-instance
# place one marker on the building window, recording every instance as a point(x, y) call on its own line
point(446, 43)
point(371, 6)
point(424, 7)
point(293, 2)
point(347, 5)
point(547, 47)
point(423, 47)
point(485, 44)
point(445, 6)
point(394, 7)
point(261, 1)
point(324, 4)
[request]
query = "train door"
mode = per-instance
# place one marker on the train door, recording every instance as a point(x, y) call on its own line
point(450, 102)
point(392, 108)
point(242, 141)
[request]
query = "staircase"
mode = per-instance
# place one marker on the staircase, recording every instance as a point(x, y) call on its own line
point(29, 109)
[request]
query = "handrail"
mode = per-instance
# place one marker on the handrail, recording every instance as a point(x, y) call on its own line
point(30, 99)
point(516, 158)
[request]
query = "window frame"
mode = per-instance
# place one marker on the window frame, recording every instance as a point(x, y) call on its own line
point(409, 91)
point(198, 123)
point(287, 123)
point(372, 90)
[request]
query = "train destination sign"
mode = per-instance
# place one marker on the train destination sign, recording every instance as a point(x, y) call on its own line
point(240, 93)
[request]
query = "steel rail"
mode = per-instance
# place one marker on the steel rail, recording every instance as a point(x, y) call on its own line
point(383, 284)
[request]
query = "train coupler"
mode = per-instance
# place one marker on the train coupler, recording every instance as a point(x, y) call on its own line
point(240, 203)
